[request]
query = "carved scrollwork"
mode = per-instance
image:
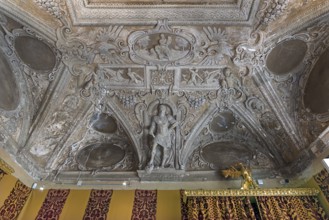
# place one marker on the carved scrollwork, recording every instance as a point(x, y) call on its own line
point(165, 46)
point(250, 52)
point(174, 93)
point(255, 105)
point(108, 47)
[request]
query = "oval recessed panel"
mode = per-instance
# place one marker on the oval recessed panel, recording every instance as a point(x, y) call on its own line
point(104, 123)
point(35, 53)
point(100, 155)
point(9, 94)
point(224, 154)
point(223, 122)
point(286, 56)
point(317, 86)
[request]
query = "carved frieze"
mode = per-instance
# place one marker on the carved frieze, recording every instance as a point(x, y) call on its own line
point(116, 77)
point(141, 88)
point(201, 78)
point(141, 13)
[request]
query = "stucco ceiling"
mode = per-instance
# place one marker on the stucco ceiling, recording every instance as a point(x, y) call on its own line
point(89, 88)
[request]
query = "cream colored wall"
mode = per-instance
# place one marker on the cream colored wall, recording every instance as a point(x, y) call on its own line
point(7, 183)
point(121, 204)
point(75, 205)
point(168, 205)
point(33, 205)
point(120, 207)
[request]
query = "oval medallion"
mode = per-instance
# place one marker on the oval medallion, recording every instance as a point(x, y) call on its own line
point(96, 156)
point(286, 56)
point(224, 154)
point(35, 53)
point(317, 86)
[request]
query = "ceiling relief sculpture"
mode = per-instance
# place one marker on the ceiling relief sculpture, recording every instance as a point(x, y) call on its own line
point(170, 96)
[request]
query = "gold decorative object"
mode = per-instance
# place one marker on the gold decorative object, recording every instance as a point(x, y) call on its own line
point(238, 170)
point(5, 167)
point(255, 192)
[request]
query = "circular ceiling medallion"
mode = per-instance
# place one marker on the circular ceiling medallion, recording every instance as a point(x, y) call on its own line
point(317, 86)
point(9, 98)
point(224, 154)
point(96, 156)
point(35, 53)
point(104, 123)
point(222, 122)
point(286, 56)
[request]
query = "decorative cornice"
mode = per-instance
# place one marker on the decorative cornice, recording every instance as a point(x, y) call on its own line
point(88, 13)
point(254, 192)
point(27, 19)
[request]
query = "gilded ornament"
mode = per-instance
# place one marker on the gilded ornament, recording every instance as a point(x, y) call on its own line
point(254, 192)
point(241, 170)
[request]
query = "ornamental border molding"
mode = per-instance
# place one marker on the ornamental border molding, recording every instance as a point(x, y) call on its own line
point(25, 18)
point(242, 13)
point(254, 192)
point(149, 3)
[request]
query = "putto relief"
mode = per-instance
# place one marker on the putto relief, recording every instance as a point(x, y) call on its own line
point(161, 46)
point(200, 77)
point(122, 76)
